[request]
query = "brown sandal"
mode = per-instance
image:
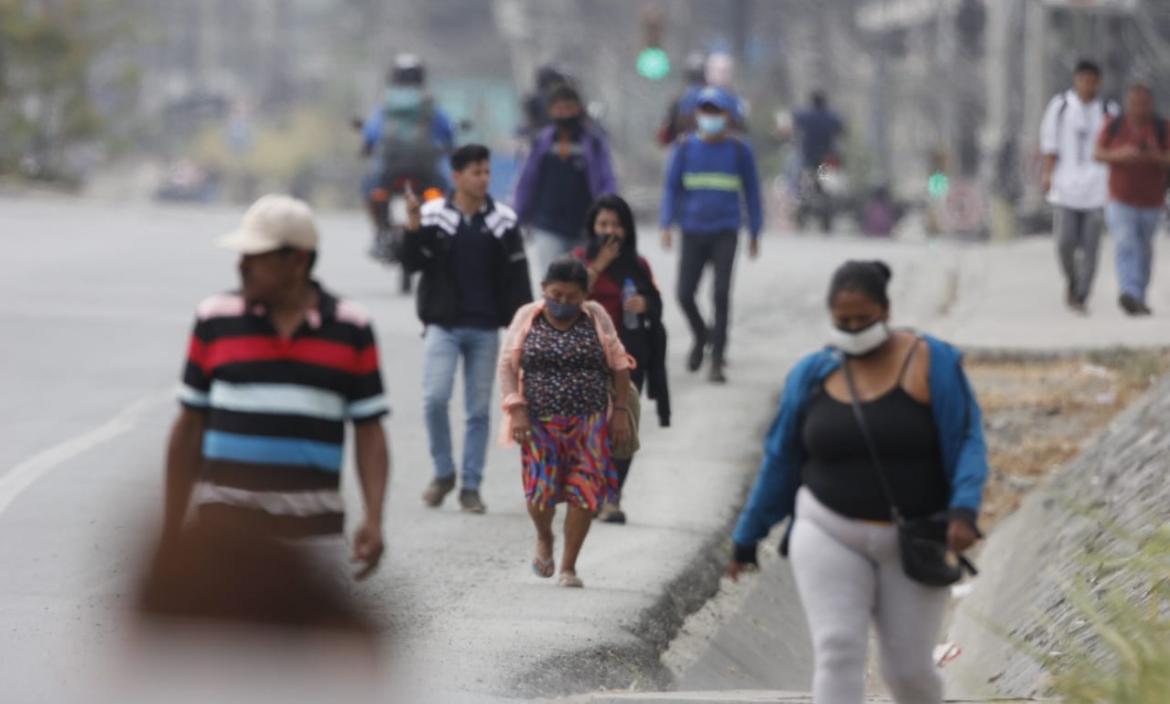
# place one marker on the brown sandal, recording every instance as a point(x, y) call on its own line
point(543, 568)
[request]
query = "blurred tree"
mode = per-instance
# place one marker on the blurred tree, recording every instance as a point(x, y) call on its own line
point(47, 50)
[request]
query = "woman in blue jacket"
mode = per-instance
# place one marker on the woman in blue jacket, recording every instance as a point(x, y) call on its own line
point(927, 427)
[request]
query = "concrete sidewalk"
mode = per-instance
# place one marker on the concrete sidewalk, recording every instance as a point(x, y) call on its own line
point(1011, 296)
point(987, 299)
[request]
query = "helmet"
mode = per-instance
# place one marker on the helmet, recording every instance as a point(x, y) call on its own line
point(408, 70)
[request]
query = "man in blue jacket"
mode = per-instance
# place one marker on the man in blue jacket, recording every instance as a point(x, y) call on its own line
point(710, 173)
point(568, 169)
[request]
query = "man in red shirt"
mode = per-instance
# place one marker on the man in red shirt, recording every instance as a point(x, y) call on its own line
point(1136, 146)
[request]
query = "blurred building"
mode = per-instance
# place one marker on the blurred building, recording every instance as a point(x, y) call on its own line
point(925, 86)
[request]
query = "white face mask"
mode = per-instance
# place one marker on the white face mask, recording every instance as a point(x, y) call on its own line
point(861, 343)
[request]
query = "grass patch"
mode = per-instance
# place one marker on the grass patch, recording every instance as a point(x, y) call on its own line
point(1124, 601)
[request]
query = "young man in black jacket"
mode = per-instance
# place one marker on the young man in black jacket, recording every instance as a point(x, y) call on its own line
point(474, 279)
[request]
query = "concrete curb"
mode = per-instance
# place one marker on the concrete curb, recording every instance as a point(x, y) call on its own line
point(758, 697)
point(1013, 354)
point(639, 665)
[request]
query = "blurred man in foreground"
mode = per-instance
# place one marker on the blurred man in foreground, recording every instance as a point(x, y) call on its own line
point(274, 371)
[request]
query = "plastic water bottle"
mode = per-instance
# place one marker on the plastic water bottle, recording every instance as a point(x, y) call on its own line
point(629, 290)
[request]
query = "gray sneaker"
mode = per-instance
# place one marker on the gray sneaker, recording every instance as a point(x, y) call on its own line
point(470, 502)
point(436, 491)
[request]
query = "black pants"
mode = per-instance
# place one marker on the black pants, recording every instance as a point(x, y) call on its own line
point(697, 251)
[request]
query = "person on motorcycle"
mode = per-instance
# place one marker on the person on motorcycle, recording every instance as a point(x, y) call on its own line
point(818, 128)
point(407, 137)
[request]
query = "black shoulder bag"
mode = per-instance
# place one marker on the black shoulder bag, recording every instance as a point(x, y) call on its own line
point(922, 542)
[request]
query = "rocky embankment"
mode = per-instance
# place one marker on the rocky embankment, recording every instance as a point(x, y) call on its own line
point(1074, 535)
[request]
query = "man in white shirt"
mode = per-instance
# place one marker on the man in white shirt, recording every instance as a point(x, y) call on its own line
point(1077, 184)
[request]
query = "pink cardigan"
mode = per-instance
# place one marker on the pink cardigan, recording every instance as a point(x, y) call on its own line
point(510, 374)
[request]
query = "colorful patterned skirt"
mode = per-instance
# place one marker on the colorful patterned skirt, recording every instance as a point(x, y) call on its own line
point(568, 459)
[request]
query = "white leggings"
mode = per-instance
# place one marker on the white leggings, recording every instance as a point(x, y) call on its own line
point(848, 572)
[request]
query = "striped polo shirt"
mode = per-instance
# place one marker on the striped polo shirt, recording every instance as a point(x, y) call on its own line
point(276, 409)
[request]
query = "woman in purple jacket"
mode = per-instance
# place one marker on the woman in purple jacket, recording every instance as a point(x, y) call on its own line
point(568, 169)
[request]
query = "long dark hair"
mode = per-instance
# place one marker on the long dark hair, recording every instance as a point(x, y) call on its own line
point(627, 261)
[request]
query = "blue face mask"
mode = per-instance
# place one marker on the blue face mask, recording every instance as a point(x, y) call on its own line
point(562, 311)
point(404, 97)
point(711, 124)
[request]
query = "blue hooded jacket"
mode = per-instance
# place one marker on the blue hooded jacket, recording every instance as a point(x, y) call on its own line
point(956, 413)
point(705, 184)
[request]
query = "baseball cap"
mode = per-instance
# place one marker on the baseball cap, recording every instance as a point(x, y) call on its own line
point(717, 97)
point(271, 223)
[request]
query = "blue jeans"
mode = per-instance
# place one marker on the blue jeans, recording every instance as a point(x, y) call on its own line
point(442, 349)
point(1133, 231)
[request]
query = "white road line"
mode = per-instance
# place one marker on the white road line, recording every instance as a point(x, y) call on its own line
point(25, 474)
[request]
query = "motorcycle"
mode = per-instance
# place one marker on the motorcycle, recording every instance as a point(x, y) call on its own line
point(389, 208)
point(386, 202)
point(820, 193)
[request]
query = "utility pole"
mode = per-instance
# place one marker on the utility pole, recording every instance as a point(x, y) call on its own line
point(1036, 97)
point(741, 13)
point(1000, 144)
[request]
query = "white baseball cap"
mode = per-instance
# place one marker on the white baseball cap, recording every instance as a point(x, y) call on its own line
point(273, 222)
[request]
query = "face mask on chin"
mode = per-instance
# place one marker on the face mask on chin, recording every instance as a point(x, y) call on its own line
point(862, 342)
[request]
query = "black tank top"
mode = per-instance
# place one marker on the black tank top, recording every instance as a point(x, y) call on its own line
point(838, 469)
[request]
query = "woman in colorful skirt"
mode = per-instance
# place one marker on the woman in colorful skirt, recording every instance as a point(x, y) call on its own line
point(565, 377)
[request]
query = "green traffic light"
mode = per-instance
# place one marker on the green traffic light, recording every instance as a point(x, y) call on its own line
point(653, 64)
point(937, 185)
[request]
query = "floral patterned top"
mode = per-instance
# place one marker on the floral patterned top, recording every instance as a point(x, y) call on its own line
point(565, 372)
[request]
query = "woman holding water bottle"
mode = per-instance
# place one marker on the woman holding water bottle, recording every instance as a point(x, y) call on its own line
point(622, 282)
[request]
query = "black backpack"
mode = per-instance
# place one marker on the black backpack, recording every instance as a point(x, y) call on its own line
point(1106, 107)
point(406, 148)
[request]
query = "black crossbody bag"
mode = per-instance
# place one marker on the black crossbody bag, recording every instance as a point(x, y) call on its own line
point(922, 542)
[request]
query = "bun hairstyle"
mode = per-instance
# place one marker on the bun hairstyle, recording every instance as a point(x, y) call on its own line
point(871, 279)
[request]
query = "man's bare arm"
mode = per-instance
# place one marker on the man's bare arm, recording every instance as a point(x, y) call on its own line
point(184, 453)
point(373, 466)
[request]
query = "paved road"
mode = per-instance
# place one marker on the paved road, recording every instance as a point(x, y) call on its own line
point(96, 303)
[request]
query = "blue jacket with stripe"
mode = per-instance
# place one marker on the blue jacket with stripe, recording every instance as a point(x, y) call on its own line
point(956, 413)
point(705, 182)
